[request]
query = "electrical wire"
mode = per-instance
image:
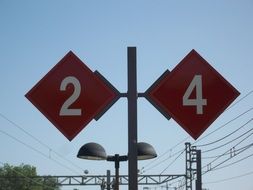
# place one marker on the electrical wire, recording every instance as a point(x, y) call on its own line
point(225, 166)
point(231, 178)
point(209, 164)
point(172, 162)
point(216, 166)
point(215, 148)
point(207, 144)
point(230, 121)
point(162, 161)
point(39, 152)
point(39, 141)
point(235, 152)
point(169, 157)
point(250, 92)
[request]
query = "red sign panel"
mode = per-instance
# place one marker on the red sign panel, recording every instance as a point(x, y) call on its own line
point(70, 95)
point(194, 94)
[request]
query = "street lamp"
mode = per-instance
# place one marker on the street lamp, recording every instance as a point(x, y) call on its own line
point(94, 151)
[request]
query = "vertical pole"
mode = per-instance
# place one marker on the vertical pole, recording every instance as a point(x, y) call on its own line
point(116, 171)
point(199, 175)
point(132, 118)
point(188, 165)
point(108, 179)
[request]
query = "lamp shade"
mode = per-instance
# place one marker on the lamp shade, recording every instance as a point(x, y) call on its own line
point(92, 151)
point(145, 151)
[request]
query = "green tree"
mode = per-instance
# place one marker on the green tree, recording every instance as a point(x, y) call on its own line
point(24, 177)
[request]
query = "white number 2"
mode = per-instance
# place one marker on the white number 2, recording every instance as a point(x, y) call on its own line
point(65, 110)
point(199, 102)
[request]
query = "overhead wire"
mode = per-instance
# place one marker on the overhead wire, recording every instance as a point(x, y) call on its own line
point(232, 155)
point(235, 152)
point(222, 126)
point(215, 148)
point(164, 160)
point(250, 109)
point(241, 99)
point(40, 142)
point(209, 164)
point(230, 178)
point(213, 168)
point(172, 162)
point(207, 144)
point(237, 161)
point(39, 152)
point(249, 173)
point(245, 96)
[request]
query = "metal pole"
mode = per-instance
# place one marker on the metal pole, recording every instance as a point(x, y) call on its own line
point(116, 171)
point(132, 119)
point(188, 165)
point(108, 179)
point(199, 175)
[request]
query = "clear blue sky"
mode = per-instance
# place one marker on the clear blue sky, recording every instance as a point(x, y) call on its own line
point(35, 35)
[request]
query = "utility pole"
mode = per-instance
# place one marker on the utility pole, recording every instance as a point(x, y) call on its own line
point(199, 172)
point(108, 179)
point(193, 166)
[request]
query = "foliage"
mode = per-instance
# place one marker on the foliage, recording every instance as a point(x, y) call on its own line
point(24, 177)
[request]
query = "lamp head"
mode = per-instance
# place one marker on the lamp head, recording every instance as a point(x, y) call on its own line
point(145, 151)
point(92, 151)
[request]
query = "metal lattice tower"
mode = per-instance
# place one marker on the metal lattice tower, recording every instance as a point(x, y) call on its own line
point(191, 165)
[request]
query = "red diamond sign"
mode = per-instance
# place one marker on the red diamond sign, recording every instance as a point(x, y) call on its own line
point(194, 94)
point(70, 95)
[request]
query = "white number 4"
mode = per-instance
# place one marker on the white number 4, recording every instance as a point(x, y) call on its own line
point(199, 102)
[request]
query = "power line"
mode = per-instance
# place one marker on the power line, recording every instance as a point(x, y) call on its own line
point(249, 173)
point(242, 159)
point(235, 152)
point(250, 92)
point(39, 141)
point(172, 162)
point(230, 121)
point(207, 144)
point(230, 141)
point(244, 148)
point(215, 148)
point(39, 152)
point(164, 160)
point(231, 178)
point(209, 164)
point(169, 157)
point(216, 166)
